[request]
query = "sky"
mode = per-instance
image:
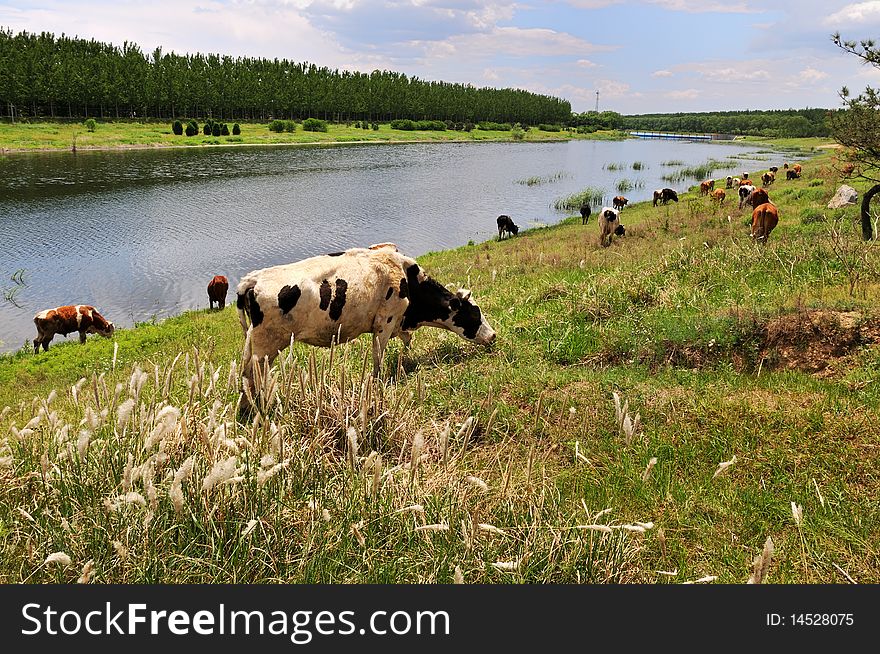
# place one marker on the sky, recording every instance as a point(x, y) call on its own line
point(641, 56)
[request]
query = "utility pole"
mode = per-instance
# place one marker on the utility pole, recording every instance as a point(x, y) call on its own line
point(597, 102)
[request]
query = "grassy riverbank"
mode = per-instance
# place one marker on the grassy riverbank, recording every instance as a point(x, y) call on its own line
point(129, 134)
point(497, 465)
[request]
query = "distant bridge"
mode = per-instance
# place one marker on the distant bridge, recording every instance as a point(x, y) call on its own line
point(678, 136)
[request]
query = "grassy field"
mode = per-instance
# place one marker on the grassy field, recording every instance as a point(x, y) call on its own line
point(130, 134)
point(745, 376)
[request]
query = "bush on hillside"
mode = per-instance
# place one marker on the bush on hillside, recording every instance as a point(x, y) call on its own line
point(315, 125)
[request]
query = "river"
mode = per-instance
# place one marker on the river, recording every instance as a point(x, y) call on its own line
point(139, 233)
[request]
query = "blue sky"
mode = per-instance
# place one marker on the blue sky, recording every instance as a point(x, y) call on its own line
point(641, 55)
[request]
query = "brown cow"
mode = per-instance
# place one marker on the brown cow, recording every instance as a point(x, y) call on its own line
point(797, 168)
point(707, 186)
point(80, 318)
point(790, 174)
point(217, 289)
point(768, 178)
point(764, 218)
point(719, 195)
point(756, 198)
point(619, 202)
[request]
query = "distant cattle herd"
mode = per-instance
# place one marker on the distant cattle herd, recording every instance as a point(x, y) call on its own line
point(336, 297)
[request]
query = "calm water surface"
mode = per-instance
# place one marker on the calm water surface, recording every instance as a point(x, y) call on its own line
point(139, 234)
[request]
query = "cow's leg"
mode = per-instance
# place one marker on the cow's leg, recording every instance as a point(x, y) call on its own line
point(37, 344)
point(222, 304)
point(381, 335)
point(82, 337)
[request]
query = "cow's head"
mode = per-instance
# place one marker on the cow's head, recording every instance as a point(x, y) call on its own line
point(671, 195)
point(514, 228)
point(101, 326)
point(431, 304)
point(620, 231)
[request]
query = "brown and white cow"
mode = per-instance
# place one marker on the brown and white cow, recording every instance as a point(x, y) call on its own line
point(217, 289)
point(729, 182)
point(756, 198)
point(609, 225)
point(619, 202)
point(765, 217)
point(81, 318)
point(744, 191)
point(768, 178)
point(718, 195)
point(337, 297)
point(797, 168)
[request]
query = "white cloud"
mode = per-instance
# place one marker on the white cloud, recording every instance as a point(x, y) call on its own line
point(686, 94)
point(703, 6)
point(855, 14)
point(585, 63)
point(662, 73)
point(491, 75)
point(810, 74)
point(741, 74)
point(513, 41)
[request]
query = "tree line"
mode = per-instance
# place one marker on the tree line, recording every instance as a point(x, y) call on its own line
point(44, 76)
point(781, 123)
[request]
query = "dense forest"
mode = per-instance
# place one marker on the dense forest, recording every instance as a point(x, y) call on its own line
point(772, 123)
point(44, 76)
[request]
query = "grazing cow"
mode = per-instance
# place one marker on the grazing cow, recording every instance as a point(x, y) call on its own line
point(744, 191)
point(338, 297)
point(797, 168)
point(764, 218)
point(217, 289)
point(785, 165)
point(609, 223)
point(585, 214)
point(719, 195)
point(757, 197)
point(505, 224)
point(729, 182)
point(706, 187)
point(790, 174)
point(619, 202)
point(767, 178)
point(80, 318)
point(745, 177)
point(774, 169)
point(663, 196)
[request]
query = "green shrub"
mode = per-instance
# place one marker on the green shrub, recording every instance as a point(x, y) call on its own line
point(549, 128)
point(517, 132)
point(816, 182)
point(207, 129)
point(177, 128)
point(315, 125)
point(811, 215)
point(91, 124)
point(215, 129)
point(468, 127)
point(191, 129)
point(375, 127)
point(357, 124)
point(494, 127)
point(236, 130)
point(224, 130)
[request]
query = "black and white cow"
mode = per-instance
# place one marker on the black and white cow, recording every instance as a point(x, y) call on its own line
point(744, 191)
point(506, 225)
point(609, 225)
point(338, 297)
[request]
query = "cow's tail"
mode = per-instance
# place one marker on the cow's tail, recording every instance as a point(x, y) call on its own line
point(245, 287)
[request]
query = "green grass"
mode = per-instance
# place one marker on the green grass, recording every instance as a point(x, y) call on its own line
point(723, 347)
point(130, 134)
point(575, 201)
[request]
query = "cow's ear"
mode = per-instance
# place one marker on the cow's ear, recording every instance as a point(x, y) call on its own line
point(464, 294)
point(455, 303)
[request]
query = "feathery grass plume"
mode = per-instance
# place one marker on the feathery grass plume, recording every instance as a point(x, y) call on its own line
point(88, 571)
point(605, 529)
point(133, 497)
point(702, 580)
point(651, 463)
point(492, 529)
point(265, 474)
point(797, 512)
point(115, 352)
point(325, 515)
point(458, 576)
point(761, 564)
point(724, 465)
point(221, 472)
point(58, 557)
point(628, 424)
point(183, 473)
point(440, 526)
point(506, 566)
point(82, 443)
point(412, 508)
point(120, 549)
point(123, 414)
point(444, 442)
point(356, 530)
point(476, 481)
point(638, 528)
point(75, 389)
point(252, 523)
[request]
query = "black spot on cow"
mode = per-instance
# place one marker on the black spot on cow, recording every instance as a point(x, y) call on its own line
point(428, 300)
point(239, 302)
point(288, 296)
point(325, 292)
point(253, 308)
point(404, 290)
point(390, 318)
point(389, 293)
point(338, 299)
point(335, 254)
